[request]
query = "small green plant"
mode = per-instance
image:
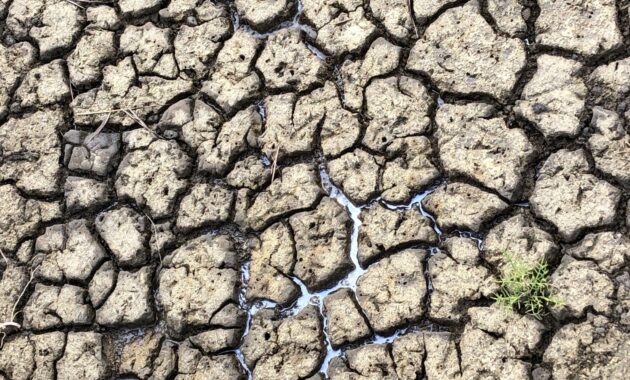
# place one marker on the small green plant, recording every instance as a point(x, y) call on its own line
point(526, 287)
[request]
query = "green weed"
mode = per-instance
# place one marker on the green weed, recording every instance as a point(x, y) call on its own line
point(525, 287)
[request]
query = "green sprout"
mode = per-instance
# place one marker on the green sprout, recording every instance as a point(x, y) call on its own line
point(525, 287)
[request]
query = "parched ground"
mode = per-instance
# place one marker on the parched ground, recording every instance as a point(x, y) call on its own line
point(282, 189)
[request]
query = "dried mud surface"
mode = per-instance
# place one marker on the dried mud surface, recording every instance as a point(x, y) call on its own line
point(312, 189)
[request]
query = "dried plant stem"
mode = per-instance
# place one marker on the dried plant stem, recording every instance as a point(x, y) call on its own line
point(413, 22)
point(12, 323)
point(274, 165)
point(73, 2)
point(99, 129)
point(134, 116)
point(155, 233)
point(6, 261)
point(89, 113)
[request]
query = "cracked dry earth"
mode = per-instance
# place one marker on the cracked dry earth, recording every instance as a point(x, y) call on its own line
point(281, 189)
